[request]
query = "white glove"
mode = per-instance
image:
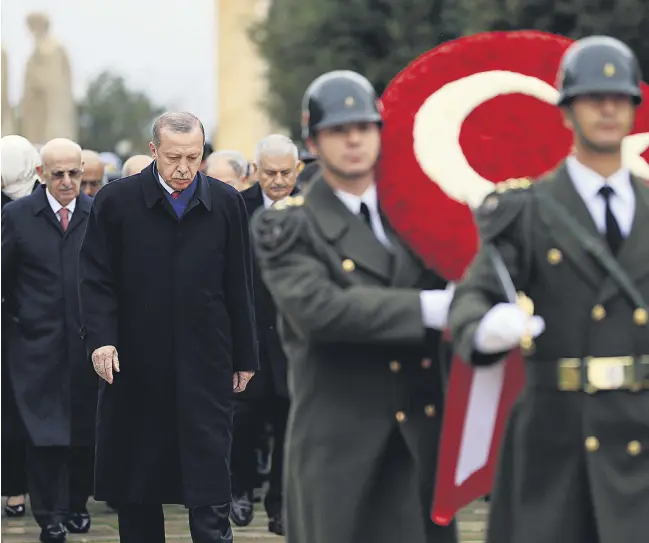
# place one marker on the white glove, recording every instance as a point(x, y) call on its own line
point(502, 328)
point(434, 306)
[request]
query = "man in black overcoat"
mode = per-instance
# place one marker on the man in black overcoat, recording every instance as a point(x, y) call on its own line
point(266, 399)
point(55, 388)
point(168, 319)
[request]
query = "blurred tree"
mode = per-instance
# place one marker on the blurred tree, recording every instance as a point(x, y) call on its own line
point(111, 113)
point(301, 39)
point(627, 20)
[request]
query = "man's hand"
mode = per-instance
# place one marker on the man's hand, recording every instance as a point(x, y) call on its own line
point(502, 328)
point(105, 361)
point(240, 380)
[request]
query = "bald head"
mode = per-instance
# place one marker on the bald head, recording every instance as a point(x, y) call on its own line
point(135, 164)
point(62, 169)
point(227, 166)
point(93, 172)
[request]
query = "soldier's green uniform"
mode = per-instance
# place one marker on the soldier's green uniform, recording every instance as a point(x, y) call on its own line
point(364, 379)
point(574, 464)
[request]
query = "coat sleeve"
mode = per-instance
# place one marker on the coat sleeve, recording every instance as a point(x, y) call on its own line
point(238, 290)
point(503, 226)
point(316, 306)
point(8, 261)
point(97, 294)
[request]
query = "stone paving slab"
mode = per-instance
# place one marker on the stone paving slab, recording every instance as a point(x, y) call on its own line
point(104, 527)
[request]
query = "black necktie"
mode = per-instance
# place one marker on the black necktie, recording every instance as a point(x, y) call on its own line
point(365, 214)
point(613, 233)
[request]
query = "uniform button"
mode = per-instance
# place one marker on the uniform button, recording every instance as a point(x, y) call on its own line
point(426, 363)
point(348, 265)
point(598, 312)
point(400, 416)
point(555, 257)
point(640, 316)
point(430, 411)
point(592, 444)
point(634, 448)
point(395, 366)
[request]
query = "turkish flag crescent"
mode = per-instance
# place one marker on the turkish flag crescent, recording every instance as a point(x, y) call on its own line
point(478, 404)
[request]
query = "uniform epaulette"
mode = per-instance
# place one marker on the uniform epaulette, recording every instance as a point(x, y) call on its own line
point(276, 229)
point(500, 208)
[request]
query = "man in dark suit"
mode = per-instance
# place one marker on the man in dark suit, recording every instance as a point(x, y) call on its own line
point(574, 464)
point(360, 318)
point(56, 391)
point(168, 318)
point(266, 399)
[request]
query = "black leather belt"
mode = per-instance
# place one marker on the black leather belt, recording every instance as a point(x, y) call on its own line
point(591, 374)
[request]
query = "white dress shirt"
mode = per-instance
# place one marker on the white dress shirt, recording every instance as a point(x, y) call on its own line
point(369, 198)
point(165, 186)
point(267, 201)
point(588, 183)
point(56, 206)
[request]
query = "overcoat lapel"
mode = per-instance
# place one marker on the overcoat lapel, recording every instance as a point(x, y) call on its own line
point(560, 187)
point(350, 235)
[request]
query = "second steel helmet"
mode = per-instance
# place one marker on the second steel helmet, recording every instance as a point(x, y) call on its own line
point(336, 98)
point(599, 65)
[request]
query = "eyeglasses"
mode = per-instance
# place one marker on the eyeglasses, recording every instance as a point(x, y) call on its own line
point(74, 175)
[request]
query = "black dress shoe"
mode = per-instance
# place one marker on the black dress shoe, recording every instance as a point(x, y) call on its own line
point(78, 523)
point(54, 533)
point(242, 510)
point(276, 525)
point(15, 511)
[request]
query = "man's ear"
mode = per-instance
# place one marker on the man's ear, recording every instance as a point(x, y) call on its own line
point(152, 148)
point(311, 146)
point(39, 171)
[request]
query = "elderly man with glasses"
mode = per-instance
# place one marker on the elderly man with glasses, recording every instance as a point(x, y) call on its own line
point(55, 385)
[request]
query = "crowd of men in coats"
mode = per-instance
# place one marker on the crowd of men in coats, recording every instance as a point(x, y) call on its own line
point(49, 386)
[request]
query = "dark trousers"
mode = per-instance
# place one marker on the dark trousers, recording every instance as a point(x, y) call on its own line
point(81, 470)
point(144, 523)
point(249, 418)
point(14, 468)
point(48, 484)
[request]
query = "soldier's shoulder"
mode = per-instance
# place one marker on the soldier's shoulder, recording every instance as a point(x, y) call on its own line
point(277, 229)
point(501, 208)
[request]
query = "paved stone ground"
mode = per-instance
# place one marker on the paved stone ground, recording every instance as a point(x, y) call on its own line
point(104, 527)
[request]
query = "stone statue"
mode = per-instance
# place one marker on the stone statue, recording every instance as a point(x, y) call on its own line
point(6, 113)
point(48, 110)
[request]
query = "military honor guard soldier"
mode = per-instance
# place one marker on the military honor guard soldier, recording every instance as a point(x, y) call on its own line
point(574, 464)
point(359, 318)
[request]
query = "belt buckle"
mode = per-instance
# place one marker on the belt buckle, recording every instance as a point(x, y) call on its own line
point(570, 374)
point(610, 373)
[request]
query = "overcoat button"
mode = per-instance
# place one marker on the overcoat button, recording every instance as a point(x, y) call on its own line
point(395, 366)
point(400, 416)
point(426, 363)
point(634, 448)
point(598, 313)
point(348, 265)
point(592, 444)
point(430, 411)
point(640, 316)
point(555, 257)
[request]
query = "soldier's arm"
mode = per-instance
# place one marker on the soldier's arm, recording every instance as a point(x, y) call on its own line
point(318, 308)
point(502, 221)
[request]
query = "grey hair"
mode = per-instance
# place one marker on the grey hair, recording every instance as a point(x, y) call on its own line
point(236, 160)
point(276, 145)
point(179, 122)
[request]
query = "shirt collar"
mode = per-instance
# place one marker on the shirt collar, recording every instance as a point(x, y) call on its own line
point(588, 182)
point(164, 185)
point(267, 201)
point(353, 202)
point(56, 205)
